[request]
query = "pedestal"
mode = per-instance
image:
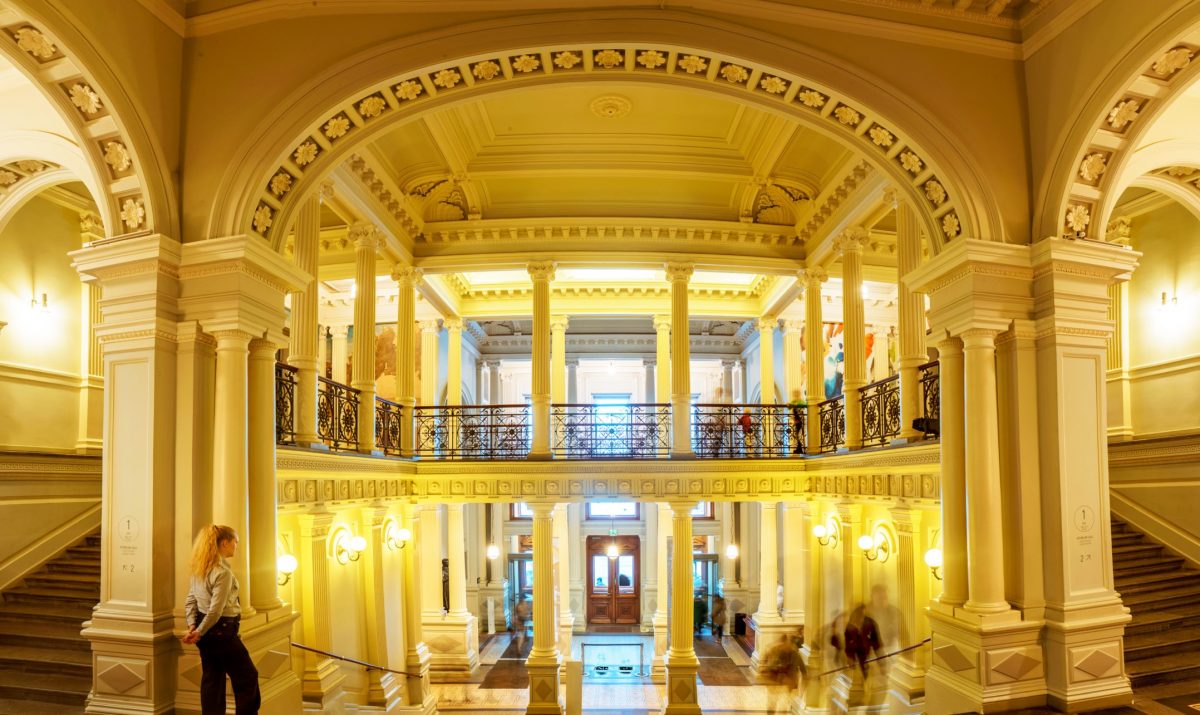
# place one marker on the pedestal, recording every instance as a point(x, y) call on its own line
point(983, 663)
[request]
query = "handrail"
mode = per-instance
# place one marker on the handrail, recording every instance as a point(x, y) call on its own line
point(522, 405)
point(368, 666)
point(885, 656)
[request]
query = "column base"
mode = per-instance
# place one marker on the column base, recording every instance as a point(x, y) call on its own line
point(1085, 668)
point(268, 636)
point(682, 694)
point(983, 663)
point(544, 686)
point(429, 707)
point(906, 692)
point(566, 626)
point(132, 661)
point(453, 644)
point(321, 686)
point(658, 665)
point(766, 635)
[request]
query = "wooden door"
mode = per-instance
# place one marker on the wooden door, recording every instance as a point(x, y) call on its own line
point(614, 585)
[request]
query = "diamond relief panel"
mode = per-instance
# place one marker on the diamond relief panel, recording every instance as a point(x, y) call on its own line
point(1094, 663)
point(952, 658)
point(119, 677)
point(1007, 666)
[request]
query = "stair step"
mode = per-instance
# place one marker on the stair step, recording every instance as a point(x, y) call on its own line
point(1154, 621)
point(35, 707)
point(20, 684)
point(67, 579)
point(1163, 598)
point(1168, 668)
point(1148, 565)
point(47, 613)
point(58, 635)
point(68, 562)
point(28, 594)
point(1127, 539)
point(1133, 579)
point(1157, 581)
point(1173, 640)
point(36, 658)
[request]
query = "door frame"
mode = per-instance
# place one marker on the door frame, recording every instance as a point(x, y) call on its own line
point(623, 609)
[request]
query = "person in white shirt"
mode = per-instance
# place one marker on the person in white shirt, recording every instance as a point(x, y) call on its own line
point(213, 613)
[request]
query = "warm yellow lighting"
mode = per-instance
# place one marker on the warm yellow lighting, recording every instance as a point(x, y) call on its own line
point(865, 293)
point(866, 542)
point(493, 552)
point(731, 551)
point(819, 531)
point(934, 560)
point(827, 533)
point(286, 566)
point(613, 551)
point(396, 536)
point(346, 546)
point(358, 544)
point(44, 304)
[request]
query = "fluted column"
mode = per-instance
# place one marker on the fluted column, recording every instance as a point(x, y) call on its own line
point(456, 550)
point(682, 664)
point(366, 244)
point(768, 582)
point(543, 660)
point(954, 489)
point(566, 619)
point(429, 362)
point(985, 529)
point(850, 244)
point(766, 377)
point(658, 668)
point(558, 358)
point(573, 380)
point(454, 328)
point(321, 680)
point(417, 656)
point(727, 380)
point(793, 362)
point(648, 366)
point(262, 488)
point(795, 526)
point(303, 350)
point(910, 309)
point(541, 273)
point(495, 397)
point(662, 348)
point(377, 619)
point(340, 350)
point(814, 363)
point(681, 375)
point(406, 278)
point(230, 456)
point(912, 580)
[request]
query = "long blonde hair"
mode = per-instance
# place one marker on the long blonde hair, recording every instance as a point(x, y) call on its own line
point(206, 553)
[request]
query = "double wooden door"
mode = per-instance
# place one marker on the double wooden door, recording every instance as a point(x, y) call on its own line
point(614, 584)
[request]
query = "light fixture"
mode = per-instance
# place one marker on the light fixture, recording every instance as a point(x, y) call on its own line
point(395, 536)
point(1166, 304)
point(493, 552)
point(865, 293)
point(877, 546)
point(286, 566)
point(731, 551)
point(346, 546)
point(613, 551)
point(44, 304)
point(934, 560)
point(827, 533)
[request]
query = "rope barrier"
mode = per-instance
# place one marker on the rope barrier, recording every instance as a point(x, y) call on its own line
point(872, 660)
point(368, 666)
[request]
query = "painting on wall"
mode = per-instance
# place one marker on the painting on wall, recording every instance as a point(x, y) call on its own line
point(385, 361)
point(835, 359)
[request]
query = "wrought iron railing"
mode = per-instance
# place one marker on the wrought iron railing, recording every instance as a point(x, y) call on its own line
point(931, 399)
point(631, 431)
point(472, 431)
point(337, 414)
point(733, 431)
point(285, 403)
point(833, 423)
point(880, 411)
point(387, 426)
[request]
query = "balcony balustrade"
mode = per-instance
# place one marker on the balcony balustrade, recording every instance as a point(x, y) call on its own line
point(285, 403)
point(745, 431)
point(387, 426)
point(833, 423)
point(630, 431)
point(931, 399)
point(337, 414)
point(880, 411)
point(472, 431)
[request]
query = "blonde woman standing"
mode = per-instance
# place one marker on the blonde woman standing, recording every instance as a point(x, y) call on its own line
point(213, 614)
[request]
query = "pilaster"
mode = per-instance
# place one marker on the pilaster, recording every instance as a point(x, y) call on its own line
point(303, 349)
point(322, 679)
point(417, 657)
point(662, 626)
point(679, 274)
point(541, 273)
point(366, 239)
point(850, 244)
point(814, 340)
point(381, 620)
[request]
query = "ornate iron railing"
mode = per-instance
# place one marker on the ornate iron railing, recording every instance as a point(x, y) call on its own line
point(833, 423)
point(880, 411)
point(931, 399)
point(631, 431)
point(387, 426)
point(472, 431)
point(337, 414)
point(734, 431)
point(285, 403)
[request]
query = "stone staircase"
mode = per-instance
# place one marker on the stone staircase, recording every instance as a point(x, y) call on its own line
point(1162, 643)
point(45, 664)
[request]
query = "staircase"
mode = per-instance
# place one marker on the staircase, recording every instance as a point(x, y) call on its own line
point(1162, 643)
point(45, 664)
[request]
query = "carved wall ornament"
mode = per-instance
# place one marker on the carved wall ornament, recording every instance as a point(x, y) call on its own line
point(611, 106)
point(133, 213)
point(911, 162)
point(651, 59)
point(811, 98)
point(1119, 229)
point(735, 73)
point(488, 69)
point(447, 78)
point(7, 178)
point(372, 106)
point(306, 153)
point(881, 137)
point(1092, 166)
point(693, 64)
point(526, 63)
point(263, 218)
point(609, 59)
point(85, 98)
point(847, 116)
point(1124, 113)
point(566, 60)
point(1172, 61)
point(950, 225)
point(281, 183)
point(935, 192)
point(773, 84)
point(1180, 171)
point(117, 156)
point(35, 43)
point(90, 223)
point(337, 127)
point(1078, 217)
point(409, 89)
point(30, 166)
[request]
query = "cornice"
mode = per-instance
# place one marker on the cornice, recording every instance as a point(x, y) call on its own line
point(1155, 451)
point(587, 229)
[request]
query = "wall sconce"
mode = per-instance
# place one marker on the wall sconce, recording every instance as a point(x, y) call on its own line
point(286, 566)
point(827, 534)
point(1166, 304)
point(876, 546)
point(345, 546)
point(44, 304)
point(395, 536)
point(493, 552)
point(731, 551)
point(934, 560)
point(613, 551)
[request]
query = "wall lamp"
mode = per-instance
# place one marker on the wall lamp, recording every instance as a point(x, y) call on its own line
point(346, 546)
point(395, 537)
point(44, 304)
point(934, 560)
point(827, 534)
point(876, 546)
point(493, 552)
point(285, 565)
point(731, 551)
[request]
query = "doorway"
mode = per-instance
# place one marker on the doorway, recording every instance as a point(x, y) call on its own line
point(614, 584)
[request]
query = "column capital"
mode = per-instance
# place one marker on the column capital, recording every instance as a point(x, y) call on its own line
point(233, 335)
point(336, 329)
point(559, 322)
point(812, 277)
point(948, 344)
point(542, 509)
point(541, 270)
point(681, 509)
point(649, 362)
point(428, 326)
point(572, 362)
point(792, 326)
point(262, 345)
point(891, 197)
point(91, 227)
point(978, 338)
point(492, 364)
point(365, 235)
point(407, 274)
point(729, 364)
point(851, 240)
point(454, 325)
point(679, 271)
point(662, 323)
point(325, 191)
point(766, 323)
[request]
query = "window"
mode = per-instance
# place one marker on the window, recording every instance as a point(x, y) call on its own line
point(703, 510)
point(613, 510)
point(520, 510)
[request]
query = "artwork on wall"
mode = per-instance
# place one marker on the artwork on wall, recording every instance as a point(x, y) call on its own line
point(385, 361)
point(835, 359)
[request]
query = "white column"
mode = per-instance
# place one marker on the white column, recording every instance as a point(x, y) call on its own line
point(681, 375)
point(648, 365)
point(910, 309)
point(768, 584)
point(814, 364)
point(662, 345)
point(340, 350)
point(543, 661)
point(417, 656)
point(795, 557)
point(429, 363)
point(366, 239)
point(262, 490)
point(954, 489)
point(727, 380)
point(658, 668)
point(912, 579)
point(304, 349)
point(406, 278)
point(430, 577)
point(682, 664)
point(541, 273)
point(493, 375)
point(384, 689)
point(230, 458)
point(850, 244)
point(793, 363)
point(321, 681)
point(456, 553)
point(558, 358)
point(566, 619)
point(454, 328)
